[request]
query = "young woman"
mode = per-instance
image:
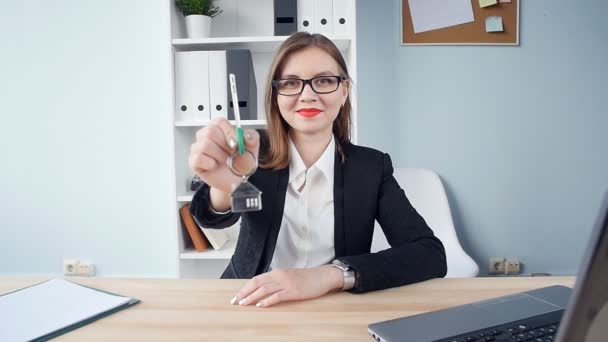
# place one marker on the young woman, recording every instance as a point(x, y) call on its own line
point(321, 193)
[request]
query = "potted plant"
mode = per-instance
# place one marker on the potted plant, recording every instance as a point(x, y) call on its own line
point(198, 14)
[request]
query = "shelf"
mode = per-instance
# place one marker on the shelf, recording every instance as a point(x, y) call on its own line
point(184, 198)
point(200, 123)
point(255, 44)
point(224, 253)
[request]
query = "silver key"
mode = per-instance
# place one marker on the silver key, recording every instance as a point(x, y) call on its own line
point(245, 197)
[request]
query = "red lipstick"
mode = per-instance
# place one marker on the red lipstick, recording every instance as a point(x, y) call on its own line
point(308, 112)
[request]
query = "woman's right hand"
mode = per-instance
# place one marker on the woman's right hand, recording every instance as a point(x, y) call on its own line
point(209, 154)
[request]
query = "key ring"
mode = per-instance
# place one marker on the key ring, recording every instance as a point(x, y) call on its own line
point(234, 171)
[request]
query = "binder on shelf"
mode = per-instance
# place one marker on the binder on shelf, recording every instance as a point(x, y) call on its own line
point(306, 15)
point(182, 98)
point(285, 17)
point(255, 18)
point(195, 233)
point(342, 17)
point(225, 23)
point(218, 84)
point(240, 63)
point(323, 10)
point(192, 85)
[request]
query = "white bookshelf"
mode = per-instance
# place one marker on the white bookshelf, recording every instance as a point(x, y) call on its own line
point(211, 263)
point(265, 44)
point(201, 123)
point(224, 253)
point(184, 198)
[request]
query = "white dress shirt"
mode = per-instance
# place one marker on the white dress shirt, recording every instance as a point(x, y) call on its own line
point(306, 237)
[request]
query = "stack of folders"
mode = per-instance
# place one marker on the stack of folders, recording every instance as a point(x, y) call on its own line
point(202, 90)
point(328, 17)
point(54, 307)
point(201, 237)
point(283, 17)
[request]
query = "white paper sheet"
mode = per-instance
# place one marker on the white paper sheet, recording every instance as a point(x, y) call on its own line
point(434, 14)
point(50, 306)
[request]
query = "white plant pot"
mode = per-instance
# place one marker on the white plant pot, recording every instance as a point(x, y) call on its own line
point(198, 26)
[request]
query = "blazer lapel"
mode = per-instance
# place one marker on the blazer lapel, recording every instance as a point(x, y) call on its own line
point(339, 232)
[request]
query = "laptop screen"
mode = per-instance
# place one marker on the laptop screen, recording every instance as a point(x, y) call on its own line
point(585, 319)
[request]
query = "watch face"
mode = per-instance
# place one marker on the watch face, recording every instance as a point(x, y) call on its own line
point(341, 265)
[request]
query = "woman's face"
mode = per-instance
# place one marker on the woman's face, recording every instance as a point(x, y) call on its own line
point(309, 112)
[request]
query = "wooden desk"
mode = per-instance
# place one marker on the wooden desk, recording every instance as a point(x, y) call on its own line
point(199, 310)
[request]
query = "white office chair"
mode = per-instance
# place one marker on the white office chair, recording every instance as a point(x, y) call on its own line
point(425, 191)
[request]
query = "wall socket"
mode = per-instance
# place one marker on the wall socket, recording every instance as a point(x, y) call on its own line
point(73, 267)
point(512, 266)
point(500, 265)
point(70, 267)
point(497, 265)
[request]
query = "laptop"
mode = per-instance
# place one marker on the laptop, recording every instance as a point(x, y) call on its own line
point(553, 313)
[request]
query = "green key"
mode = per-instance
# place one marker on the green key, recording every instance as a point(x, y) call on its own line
point(240, 140)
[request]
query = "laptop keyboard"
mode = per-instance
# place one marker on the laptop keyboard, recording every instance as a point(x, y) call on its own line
point(542, 328)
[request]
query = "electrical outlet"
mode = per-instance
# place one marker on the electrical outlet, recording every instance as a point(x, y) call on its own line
point(512, 266)
point(86, 269)
point(497, 265)
point(70, 267)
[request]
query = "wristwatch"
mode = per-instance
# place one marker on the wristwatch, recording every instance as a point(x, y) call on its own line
point(347, 271)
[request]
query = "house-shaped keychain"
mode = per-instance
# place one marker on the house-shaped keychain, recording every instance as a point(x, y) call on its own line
point(246, 197)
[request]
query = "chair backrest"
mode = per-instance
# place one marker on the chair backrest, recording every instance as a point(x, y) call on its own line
point(425, 191)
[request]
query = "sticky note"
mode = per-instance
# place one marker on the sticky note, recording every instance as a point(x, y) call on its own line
point(486, 3)
point(494, 24)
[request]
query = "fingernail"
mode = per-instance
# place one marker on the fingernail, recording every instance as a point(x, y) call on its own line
point(248, 136)
point(242, 302)
point(260, 304)
point(233, 300)
point(232, 143)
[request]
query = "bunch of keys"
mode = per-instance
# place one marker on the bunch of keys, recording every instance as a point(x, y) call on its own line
point(245, 197)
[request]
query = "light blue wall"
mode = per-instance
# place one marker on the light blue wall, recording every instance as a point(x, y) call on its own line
point(377, 82)
point(518, 134)
point(85, 137)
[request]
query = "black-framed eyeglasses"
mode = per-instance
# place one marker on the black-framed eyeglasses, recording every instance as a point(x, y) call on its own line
point(295, 86)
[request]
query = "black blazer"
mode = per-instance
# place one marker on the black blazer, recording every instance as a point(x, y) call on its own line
point(364, 190)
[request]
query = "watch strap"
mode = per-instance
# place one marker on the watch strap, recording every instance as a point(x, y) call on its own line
point(347, 272)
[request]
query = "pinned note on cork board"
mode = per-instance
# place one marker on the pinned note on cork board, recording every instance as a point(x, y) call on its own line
point(460, 22)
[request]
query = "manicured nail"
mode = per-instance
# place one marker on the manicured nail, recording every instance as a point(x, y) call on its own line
point(233, 300)
point(242, 302)
point(232, 143)
point(248, 136)
point(260, 304)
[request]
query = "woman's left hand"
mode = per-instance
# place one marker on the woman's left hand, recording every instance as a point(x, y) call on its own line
point(282, 285)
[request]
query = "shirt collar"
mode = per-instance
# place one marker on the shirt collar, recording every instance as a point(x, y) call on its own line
point(296, 164)
point(326, 161)
point(325, 164)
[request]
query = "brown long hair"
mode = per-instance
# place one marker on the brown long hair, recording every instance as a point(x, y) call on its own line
point(277, 155)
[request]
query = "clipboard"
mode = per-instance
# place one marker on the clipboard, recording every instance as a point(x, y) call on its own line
point(54, 307)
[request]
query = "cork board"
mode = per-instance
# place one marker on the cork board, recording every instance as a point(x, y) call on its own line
point(473, 33)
